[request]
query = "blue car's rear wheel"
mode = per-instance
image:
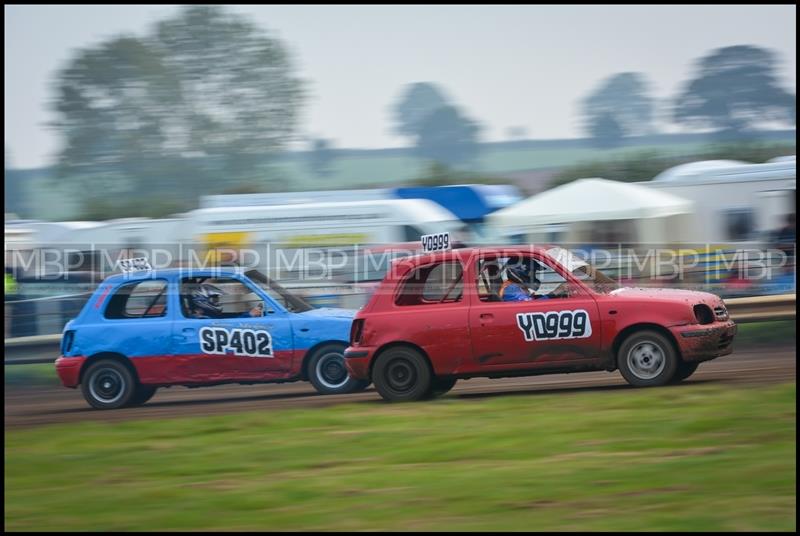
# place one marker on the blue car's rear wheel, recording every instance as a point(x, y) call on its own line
point(143, 394)
point(108, 384)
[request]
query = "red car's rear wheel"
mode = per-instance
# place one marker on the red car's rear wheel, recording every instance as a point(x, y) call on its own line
point(402, 375)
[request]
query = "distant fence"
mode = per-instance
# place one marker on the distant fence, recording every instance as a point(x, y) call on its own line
point(762, 308)
point(43, 305)
point(45, 348)
point(28, 317)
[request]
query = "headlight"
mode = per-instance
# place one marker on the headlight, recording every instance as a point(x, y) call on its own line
point(703, 314)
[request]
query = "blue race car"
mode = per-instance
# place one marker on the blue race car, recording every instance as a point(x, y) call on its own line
point(196, 327)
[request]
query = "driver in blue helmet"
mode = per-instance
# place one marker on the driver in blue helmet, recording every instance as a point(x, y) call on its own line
point(205, 303)
point(522, 282)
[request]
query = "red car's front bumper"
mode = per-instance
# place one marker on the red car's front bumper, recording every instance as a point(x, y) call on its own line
point(704, 342)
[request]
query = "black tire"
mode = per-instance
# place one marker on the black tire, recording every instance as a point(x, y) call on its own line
point(684, 370)
point(142, 394)
point(402, 374)
point(647, 359)
point(440, 386)
point(108, 384)
point(328, 374)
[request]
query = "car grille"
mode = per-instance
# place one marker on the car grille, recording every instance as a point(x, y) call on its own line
point(721, 312)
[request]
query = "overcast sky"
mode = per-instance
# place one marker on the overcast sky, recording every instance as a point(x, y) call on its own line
point(505, 65)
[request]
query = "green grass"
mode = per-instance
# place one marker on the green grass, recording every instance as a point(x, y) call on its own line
point(691, 457)
point(31, 375)
point(759, 334)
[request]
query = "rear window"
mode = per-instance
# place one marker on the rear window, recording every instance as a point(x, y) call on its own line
point(435, 283)
point(141, 299)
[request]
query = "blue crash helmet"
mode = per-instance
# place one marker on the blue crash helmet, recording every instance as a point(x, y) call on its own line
point(206, 299)
point(523, 271)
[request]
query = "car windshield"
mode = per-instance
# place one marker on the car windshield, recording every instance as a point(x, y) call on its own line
point(292, 302)
point(587, 274)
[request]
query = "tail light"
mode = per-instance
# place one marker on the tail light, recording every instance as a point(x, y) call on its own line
point(66, 341)
point(355, 331)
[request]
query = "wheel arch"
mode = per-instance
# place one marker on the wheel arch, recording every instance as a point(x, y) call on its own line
point(114, 356)
point(396, 344)
point(311, 351)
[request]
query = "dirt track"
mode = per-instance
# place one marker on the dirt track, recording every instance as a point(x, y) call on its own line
point(31, 407)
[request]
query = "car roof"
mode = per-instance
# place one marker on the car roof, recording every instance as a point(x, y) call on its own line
point(171, 273)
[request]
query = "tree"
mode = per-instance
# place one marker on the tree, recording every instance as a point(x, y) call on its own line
point(735, 89)
point(606, 131)
point(321, 157)
point(203, 100)
point(438, 174)
point(11, 187)
point(415, 104)
point(439, 130)
point(625, 98)
point(447, 136)
point(110, 107)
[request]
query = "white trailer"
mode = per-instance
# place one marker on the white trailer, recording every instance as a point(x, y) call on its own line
point(733, 201)
point(341, 223)
point(316, 241)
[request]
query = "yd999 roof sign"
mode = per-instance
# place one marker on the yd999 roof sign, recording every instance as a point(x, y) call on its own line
point(435, 242)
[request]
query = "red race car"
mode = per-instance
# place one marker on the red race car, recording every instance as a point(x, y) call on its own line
point(517, 311)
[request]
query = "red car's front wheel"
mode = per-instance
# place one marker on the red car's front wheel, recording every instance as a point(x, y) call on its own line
point(647, 358)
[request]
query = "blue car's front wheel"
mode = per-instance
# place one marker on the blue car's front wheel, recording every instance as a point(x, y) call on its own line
point(328, 374)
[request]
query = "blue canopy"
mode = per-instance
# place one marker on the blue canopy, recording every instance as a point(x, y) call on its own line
point(469, 202)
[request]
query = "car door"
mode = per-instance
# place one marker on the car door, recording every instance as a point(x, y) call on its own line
point(541, 333)
point(135, 323)
point(231, 347)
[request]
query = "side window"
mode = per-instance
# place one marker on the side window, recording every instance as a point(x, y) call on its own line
point(490, 279)
point(499, 277)
point(208, 297)
point(142, 299)
point(550, 282)
point(436, 283)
